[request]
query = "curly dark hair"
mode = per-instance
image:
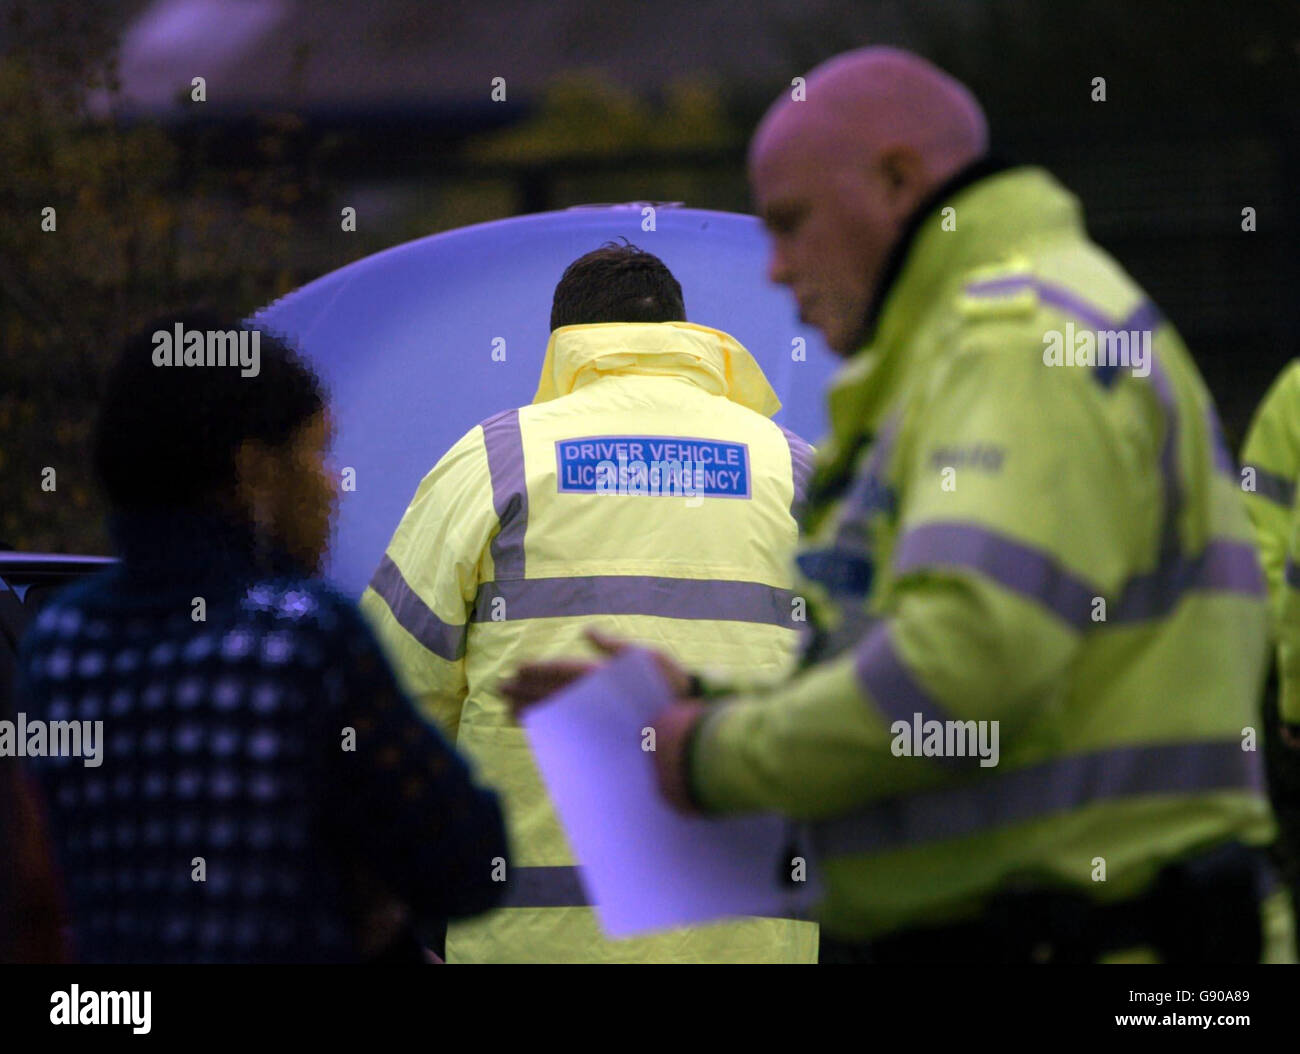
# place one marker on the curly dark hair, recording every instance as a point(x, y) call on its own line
point(167, 436)
point(617, 283)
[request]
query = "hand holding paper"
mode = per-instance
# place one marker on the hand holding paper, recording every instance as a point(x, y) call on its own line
point(646, 866)
point(673, 726)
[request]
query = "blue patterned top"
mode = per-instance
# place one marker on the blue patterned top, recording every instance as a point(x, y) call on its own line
point(258, 767)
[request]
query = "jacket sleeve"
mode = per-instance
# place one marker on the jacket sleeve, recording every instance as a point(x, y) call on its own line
point(1271, 453)
point(997, 567)
point(403, 800)
point(421, 597)
point(1288, 629)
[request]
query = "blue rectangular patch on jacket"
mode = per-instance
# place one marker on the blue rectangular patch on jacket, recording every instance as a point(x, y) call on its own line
point(652, 466)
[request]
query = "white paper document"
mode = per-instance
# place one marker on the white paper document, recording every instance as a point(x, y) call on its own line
point(645, 866)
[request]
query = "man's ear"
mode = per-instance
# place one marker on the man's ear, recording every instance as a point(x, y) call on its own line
point(904, 177)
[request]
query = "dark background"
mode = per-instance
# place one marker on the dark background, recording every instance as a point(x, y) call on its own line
point(385, 106)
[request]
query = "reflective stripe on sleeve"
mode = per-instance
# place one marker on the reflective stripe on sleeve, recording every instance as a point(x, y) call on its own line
point(444, 639)
point(1277, 489)
point(801, 463)
point(1224, 565)
point(1020, 568)
point(896, 692)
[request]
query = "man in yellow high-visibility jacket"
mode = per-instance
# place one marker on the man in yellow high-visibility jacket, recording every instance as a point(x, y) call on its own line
point(1023, 725)
point(645, 488)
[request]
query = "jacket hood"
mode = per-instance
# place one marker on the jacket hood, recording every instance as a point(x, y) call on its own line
point(709, 358)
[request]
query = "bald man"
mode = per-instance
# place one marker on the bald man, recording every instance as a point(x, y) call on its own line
point(1023, 725)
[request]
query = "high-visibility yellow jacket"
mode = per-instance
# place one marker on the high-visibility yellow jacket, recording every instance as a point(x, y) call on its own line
point(1288, 627)
point(645, 491)
point(1270, 463)
point(1270, 468)
point(996, 533)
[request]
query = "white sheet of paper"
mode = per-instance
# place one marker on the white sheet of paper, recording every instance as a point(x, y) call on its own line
point(646, 866)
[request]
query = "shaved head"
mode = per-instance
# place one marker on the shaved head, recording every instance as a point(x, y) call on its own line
point(837, 173)
point(871, 99)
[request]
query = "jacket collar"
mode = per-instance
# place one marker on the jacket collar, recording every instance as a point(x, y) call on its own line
point(931, 204)
point(709, 358)
point(996, 210)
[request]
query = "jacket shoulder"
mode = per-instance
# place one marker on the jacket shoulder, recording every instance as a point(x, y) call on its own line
point(1007, 291)
point(1283, 395)
point(1273, 439)
point(465, 462)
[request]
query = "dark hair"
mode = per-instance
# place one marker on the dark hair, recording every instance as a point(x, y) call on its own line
point(617, 283)
point(167, 435)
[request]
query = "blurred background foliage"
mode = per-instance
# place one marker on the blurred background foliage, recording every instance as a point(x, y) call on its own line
point(384, 107)
point(582, 113)
point(127, 245)
point(153, 217)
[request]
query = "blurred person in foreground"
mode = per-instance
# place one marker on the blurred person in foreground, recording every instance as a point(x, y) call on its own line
point(1023, 727)
point(261, 790)
point(645, 486)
